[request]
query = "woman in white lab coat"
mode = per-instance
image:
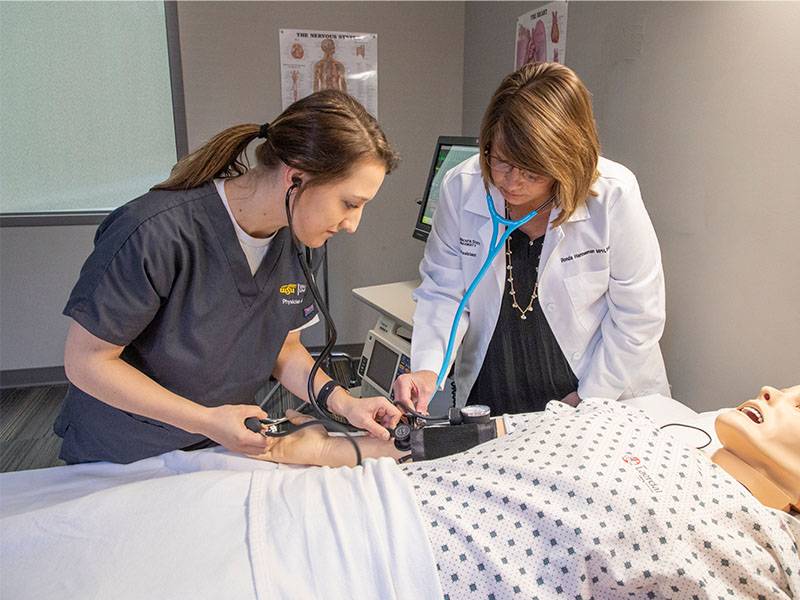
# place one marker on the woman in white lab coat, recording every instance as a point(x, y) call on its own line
point(573, 306)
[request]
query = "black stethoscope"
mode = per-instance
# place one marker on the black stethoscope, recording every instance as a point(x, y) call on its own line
point(270, 427)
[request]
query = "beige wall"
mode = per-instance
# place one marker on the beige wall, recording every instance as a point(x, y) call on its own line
point(700, 100)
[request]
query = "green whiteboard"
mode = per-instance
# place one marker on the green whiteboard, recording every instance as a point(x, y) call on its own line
point(86, 107)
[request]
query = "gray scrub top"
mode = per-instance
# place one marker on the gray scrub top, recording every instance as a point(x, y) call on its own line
point(169, 281)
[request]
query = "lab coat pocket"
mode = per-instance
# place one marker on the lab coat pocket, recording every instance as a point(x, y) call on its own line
point(587, 294)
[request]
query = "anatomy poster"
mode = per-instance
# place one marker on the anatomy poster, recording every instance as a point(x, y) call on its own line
point(542, 35)
point(320, 60)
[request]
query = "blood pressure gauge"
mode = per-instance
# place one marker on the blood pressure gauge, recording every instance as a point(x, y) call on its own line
point(475, 413)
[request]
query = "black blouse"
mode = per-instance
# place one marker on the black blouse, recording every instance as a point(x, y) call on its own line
point(524, 367)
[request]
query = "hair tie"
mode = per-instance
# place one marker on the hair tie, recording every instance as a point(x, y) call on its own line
point(263, 131)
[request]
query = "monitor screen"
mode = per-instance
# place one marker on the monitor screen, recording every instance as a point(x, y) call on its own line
point(382, 365)
point(450, 151)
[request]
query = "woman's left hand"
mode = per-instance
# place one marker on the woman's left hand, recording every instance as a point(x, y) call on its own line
point(572, 399)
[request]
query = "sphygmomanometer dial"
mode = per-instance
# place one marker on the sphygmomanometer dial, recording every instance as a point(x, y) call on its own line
point(475, 413)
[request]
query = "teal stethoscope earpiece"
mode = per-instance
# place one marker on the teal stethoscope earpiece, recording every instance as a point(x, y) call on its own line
point(494, 248)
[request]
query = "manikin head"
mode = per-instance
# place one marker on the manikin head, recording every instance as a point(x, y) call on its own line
point(761, 446)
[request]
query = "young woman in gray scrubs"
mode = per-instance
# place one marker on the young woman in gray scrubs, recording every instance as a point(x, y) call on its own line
point(194, 295)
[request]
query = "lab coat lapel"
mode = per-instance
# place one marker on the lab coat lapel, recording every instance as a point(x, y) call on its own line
point(476, 204)
point(554, 235)
point(552, 239)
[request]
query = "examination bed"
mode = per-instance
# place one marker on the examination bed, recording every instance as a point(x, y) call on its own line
point(209, 524)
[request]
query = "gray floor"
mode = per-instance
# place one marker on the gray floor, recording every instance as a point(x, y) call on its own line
point(27, 440)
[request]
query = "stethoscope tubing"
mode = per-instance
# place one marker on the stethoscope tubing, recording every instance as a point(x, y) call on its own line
point(494, 248)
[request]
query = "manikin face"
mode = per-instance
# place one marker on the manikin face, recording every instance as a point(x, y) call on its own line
point(322, 211)
point(765, 433)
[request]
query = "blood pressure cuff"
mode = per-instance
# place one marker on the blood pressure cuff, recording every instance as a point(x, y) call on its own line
point(435, 442)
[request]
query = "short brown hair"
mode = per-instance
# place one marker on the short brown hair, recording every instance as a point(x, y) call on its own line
point(542, 116)
point(323, 134)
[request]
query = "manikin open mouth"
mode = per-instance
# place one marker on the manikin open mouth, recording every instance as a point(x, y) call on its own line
point(752, 412)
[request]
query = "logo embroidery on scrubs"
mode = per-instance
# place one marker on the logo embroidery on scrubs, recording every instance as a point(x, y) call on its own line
point(290, 289)
point(295, 291)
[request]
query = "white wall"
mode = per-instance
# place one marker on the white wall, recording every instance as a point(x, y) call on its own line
point(700, 101)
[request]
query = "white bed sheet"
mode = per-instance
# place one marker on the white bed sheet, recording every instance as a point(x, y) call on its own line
point(244, 529)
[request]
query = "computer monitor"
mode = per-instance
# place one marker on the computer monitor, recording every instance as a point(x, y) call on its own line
point(450, 151)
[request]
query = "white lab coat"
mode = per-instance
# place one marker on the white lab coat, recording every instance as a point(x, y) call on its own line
point(601, 286)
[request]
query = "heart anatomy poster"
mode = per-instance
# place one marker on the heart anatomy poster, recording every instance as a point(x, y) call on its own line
point(542, 35)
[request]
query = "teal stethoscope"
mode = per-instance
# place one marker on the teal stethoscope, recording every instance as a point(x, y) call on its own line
point(494, 248)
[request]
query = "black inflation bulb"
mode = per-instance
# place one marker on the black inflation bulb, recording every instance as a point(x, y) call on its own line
point(253, 424)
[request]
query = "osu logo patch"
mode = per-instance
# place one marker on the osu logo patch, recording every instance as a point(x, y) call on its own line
point(293, 293)
point(292, 289)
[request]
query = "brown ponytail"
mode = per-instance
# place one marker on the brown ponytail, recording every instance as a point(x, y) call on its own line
point(323, 134)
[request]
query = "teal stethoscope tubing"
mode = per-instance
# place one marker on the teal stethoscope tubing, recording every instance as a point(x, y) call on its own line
point(494, 248)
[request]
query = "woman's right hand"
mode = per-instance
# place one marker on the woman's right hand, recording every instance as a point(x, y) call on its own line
point(225, 425)
point(415, 390)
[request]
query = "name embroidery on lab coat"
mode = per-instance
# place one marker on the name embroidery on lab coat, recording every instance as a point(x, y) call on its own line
point(468, 243)
point(584, 253)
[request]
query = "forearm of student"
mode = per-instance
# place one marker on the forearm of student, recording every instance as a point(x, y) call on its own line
point(95, 367)
point(293, 366)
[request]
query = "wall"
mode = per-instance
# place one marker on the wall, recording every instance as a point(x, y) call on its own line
point(231, 75)
point(700, 101)
point(38, 267)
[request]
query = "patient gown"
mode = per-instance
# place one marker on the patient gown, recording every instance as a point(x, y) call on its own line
point(597, 502)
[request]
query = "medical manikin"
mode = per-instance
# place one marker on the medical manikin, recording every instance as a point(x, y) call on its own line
point(760, 438)
point(761, 446)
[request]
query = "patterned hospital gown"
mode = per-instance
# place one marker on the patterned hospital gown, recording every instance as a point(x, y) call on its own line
point(596, 502)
